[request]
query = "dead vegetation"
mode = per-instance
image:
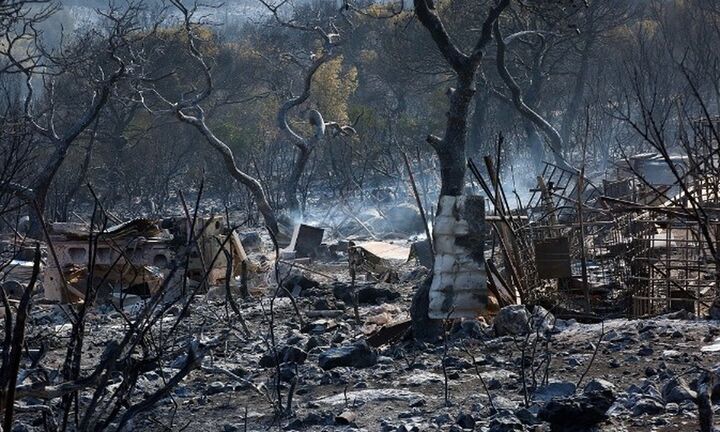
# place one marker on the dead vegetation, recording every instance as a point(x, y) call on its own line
point(260, 228)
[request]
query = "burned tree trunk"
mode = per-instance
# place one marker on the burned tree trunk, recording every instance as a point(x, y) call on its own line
point(451, 148)
point(41, 186)
point(291, 185)
point(476, 136)
point(305, 146)
point(251, 183)
point(98, 74)
point(554, 138)
point(451, 151)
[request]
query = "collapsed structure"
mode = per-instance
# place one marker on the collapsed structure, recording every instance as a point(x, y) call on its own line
point(136, 257)
point(642, 242)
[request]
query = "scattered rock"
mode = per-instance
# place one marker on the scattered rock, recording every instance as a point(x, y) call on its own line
point(357, 355)
point(215, 388)
point(466, 421)
point(417, 403)
point(554, 390)
point(286, 354)
point(526, 417)
point(317, 418)
point(442, 419)
point(472, 329)
point(647, 405)
point(314, 342)
point(494, 384)
point(579, 413)
point(505, 422)
point(677, 390)
point(672, 407)
point(645, 351)
point(573, 362)
point(599, 385)
point(367, 294)
point(360, 397)
point(512, 320)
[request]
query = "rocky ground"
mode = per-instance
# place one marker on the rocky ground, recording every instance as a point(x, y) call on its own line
point(524, 371)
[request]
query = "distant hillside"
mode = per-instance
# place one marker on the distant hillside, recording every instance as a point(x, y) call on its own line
point(78, 13)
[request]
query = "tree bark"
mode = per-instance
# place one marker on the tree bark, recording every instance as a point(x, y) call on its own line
point(291, 185)
point(451, 149)
point(578, 91)
point(476, 138)
point(305, 146)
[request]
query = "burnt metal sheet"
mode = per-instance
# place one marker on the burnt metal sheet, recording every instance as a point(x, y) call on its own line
point(386, 251)
point(552, 258)
point(306, 239)
point(618, 188)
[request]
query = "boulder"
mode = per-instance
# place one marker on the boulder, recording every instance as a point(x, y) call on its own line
point(554, 390)
point(466, 421)
point(599, 385)
point(526, 417)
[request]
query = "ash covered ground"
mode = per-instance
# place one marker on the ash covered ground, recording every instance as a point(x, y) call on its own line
point(306, 363)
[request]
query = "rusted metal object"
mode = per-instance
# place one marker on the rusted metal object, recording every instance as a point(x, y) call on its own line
point(135, 257)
